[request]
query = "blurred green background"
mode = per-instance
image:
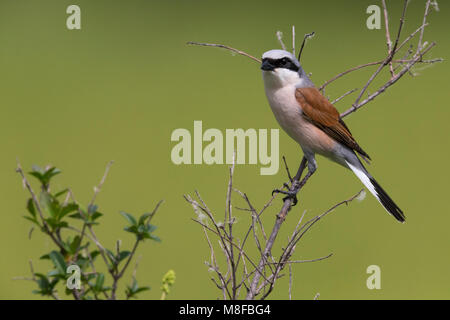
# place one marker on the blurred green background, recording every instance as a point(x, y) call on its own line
point(117, 88)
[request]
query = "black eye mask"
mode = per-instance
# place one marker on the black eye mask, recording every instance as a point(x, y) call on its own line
point(286, 63)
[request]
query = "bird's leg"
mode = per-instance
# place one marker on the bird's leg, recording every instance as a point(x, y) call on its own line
point(292, 189)
point(307, 176)
point(312, 167)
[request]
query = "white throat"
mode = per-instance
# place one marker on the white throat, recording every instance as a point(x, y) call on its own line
point(281, 77)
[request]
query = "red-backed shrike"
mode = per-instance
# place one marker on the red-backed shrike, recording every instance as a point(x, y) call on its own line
point(314, 123)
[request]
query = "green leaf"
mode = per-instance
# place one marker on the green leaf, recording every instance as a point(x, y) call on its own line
point(53, 283)
point(69, 208)
point(55, 224)
point(58, 261)
point(146, 235)
point(96, 215)
point(66, 245)
point(44, 176)
point(75, 244)
point(155, 238)
point(144, 217)
point(48, 204)
point(140, 289)
point(62, 192)
point(123, 255)
point(82, 262)
point(129, 218)
point(45, 285)
point(50, 173)
point(94, 254)
point(38, 173)
point(42, 281)
point(53, 273)
point(62, 224)
point(30, 207)
point(99, 282)
point(90, 276)
point(134, 289)
point(34, 220)
point(111, 256)
point(132, 229)
point(52, 223)
point(45, 256)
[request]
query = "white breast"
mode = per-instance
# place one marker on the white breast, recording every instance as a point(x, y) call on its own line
point(285, 108)
point(288, 113)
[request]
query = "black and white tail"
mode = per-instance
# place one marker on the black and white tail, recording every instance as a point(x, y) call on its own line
point(374, 188)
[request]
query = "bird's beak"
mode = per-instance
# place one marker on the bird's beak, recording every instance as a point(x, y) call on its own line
point(267, 66)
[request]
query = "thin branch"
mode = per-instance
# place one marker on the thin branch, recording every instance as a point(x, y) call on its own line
point(305, 38)
point(296, 186)
point(293, 40)
point(280, 39)
point(290, 282)
point(98, 188)
point(389, 83)
point(344, 95)
point(388, 35)
point(297, 238)
point(427, 10)
point(348, 71)
point(225, 47)
point(231, 243)
point(307, 261)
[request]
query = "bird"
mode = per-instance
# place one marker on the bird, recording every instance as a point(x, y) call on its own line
point(314, 123)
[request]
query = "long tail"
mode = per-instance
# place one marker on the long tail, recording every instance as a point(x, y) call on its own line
point(374, 188)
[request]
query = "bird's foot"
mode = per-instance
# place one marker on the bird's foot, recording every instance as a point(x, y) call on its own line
point(289, 194)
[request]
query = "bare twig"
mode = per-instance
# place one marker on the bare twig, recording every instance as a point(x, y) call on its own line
point(305, 38)
point(280, 39)
point(388, 59)
point(389, 83)
point(293, 40)
point(290, 282)
point(294, 240)
point(344, 95)
point(98, 188)
point(225, 47)
point(388, 35)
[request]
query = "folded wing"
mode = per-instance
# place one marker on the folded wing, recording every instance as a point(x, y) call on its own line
point(320, 112)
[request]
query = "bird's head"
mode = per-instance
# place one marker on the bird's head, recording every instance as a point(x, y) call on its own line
point(282, 67)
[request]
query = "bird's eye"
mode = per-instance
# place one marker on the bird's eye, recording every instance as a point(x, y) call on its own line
point(284, 62)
